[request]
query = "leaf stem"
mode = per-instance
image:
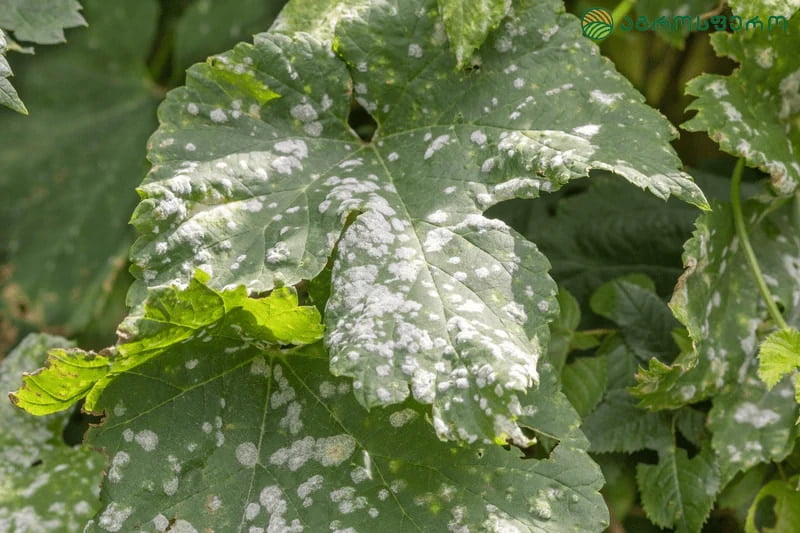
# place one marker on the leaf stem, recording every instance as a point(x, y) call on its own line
point(622, 9)
point(741, 232)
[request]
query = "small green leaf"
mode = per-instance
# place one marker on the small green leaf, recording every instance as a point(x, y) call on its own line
point(68, 376)
point(40, 21)
point(170, 315)
point(679, 492)
point(779, 355)
point(468, 23)
point(8, 95)
point(45, 485)
point(644, 319)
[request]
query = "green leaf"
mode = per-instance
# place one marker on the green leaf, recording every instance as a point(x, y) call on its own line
point(785, 507)
point(751, 425)
point(69, 169)
point(720, 304)
point(8, 95)
point(679, 492)
point(67, 377)
point(584, 383)
point(755, 112)
point(251, 438)
point(423, 293)
point(644, 319)
point(779, 355)
point(45, 485)
point(170, 315)
point(618, 425)
point(468, 23)
point(40, 21)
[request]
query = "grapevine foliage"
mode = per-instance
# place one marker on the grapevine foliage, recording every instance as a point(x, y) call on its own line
point(369, 289)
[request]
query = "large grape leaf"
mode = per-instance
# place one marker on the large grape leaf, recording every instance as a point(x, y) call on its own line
point(45, 485)
point(38, 21)
point(677, 491)
point(755, 112)
point(218, 434)
point(717, 299)
point(69, 169)
point(256, 173)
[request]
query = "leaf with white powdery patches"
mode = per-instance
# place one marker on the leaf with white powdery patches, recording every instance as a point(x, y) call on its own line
point(256, 172)
point(468, 23)
point(755, 112)
point(719, 302)
point(269, 440)
point(45, 485)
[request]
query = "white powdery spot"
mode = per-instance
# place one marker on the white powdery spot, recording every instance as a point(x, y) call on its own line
point(437, 217)
point(114, 516)
point(478, 137)
point(600, 97)
point(587, 131)
point(147, 439)
point(437, 144)
point(749, 413)
point(170, 486)
point(401, 418)
point(766, 57)
point(414, 50)
point(190, 147)
point(332, 451)
point(295, 147)
point(304, 113)
point(519, 83)
point(790, 95)
point(192, 108)
point(436, 239)
point(731, 112)
point(247, 454)
point(160, 523)
point(718, 88)
point(191, 364)
point(218, 115)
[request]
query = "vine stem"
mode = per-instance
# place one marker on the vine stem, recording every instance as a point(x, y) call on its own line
point(741, 232)
point(622, 9)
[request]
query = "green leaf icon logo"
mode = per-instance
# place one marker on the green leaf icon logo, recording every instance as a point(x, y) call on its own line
point(597, 23)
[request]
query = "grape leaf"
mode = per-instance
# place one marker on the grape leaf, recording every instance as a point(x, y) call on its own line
point(645, 321)
point(751, 425)
point(755, 112)
point(679, 492)
point(68, 170)
point(45, 485)
point(720, 304)
point(40, 21)
point(779, 355)
point(220, 434)
point(256, 172)
point(8, 95)
point(170, 315)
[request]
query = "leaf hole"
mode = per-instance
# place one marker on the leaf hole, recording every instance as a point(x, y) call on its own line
point(77, 425)
point(361, 122)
